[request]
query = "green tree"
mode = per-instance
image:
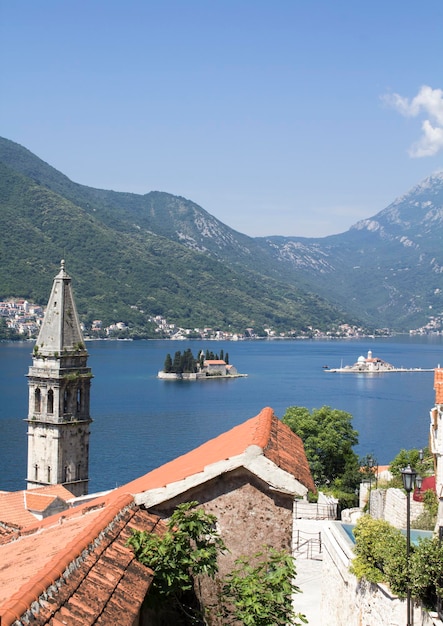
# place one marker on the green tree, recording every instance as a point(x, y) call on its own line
point(328, 438)
point(168, 364)
point(412, 458)
point(189, 548)
point(177, 363)
point(260, 592)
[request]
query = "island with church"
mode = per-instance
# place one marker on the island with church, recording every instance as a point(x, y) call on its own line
point(206, 366)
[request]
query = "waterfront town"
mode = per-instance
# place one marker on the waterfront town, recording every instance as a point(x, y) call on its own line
point(24, 320)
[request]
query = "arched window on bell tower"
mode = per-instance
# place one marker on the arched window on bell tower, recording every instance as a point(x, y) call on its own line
point(50, 401)
point(37, 400)
point(65, 401)
point(49, 473)
point(79, 400)
point(36, 471)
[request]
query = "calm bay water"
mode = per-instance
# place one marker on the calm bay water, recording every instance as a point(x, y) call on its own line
point(141, 422)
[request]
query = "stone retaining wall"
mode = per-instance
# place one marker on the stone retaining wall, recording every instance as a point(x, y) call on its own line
point(345, 600)
point(390, 505)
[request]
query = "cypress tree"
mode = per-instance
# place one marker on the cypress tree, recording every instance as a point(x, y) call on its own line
point(168, 364)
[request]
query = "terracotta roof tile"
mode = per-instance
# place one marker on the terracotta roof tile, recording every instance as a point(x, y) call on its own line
point(83, 552)
point(15, 505)
point(438, 385)
point(287, 451)
point(85, 571)
point(265, 430)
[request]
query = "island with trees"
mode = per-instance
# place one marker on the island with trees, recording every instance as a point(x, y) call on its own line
point(206, 366)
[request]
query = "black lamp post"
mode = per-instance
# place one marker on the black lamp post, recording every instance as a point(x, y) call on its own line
point(370, 461)
point(372, 464)
point(408, 475)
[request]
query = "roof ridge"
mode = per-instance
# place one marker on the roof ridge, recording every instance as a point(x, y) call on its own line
point(19, 603)
point(263, 427)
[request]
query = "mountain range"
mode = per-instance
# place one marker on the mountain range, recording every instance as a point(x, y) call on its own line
point(133, 256)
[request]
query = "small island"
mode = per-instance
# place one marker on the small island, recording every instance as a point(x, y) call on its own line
point(206, 366)
point(373, 365)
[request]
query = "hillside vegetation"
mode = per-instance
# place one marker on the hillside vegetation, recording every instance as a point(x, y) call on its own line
point(136, 256)
point(166, 255)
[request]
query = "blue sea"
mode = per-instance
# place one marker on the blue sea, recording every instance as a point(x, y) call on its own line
point(141, 422)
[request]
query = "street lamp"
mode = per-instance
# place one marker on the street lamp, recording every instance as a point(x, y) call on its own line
point(408, 475)
point(372, 465)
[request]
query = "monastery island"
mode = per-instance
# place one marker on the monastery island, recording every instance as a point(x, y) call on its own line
point(207, 366)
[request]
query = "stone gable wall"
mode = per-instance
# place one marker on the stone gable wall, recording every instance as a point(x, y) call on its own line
point(249, 516)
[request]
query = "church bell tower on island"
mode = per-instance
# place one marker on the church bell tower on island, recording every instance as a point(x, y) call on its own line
point(59, 384)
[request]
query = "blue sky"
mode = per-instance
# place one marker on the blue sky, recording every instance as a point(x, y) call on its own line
point(277, 117)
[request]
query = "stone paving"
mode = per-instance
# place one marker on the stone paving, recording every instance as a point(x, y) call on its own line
point(309, 570)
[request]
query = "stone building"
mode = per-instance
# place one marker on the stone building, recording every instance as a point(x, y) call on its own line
point(75, 567)
point(59, 383)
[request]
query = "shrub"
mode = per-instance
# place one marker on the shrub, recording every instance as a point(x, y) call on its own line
point(380, 551)
point(427, 571)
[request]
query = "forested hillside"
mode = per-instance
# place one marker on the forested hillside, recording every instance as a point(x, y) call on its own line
point(131, 256)
point(164, 254)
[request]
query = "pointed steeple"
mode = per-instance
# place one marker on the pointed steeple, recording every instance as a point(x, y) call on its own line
point(60, 331)
point(59, 382)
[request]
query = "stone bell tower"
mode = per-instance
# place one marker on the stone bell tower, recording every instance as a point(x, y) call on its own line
point(59, 395)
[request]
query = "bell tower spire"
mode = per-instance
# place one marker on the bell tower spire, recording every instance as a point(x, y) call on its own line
point(59, 396)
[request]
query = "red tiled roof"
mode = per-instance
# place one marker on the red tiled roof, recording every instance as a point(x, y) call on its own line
point(438, 385)
point(15, 505)
point(279, 444)
point(85, 549)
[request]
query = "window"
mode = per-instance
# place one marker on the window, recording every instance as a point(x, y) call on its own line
point(36, 472)
point(49, 473)
point(37, 400)
point(79, 400)
point(50, 401)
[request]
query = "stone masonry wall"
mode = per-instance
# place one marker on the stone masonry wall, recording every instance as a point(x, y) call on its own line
point(390, 504)
point(249, 516)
